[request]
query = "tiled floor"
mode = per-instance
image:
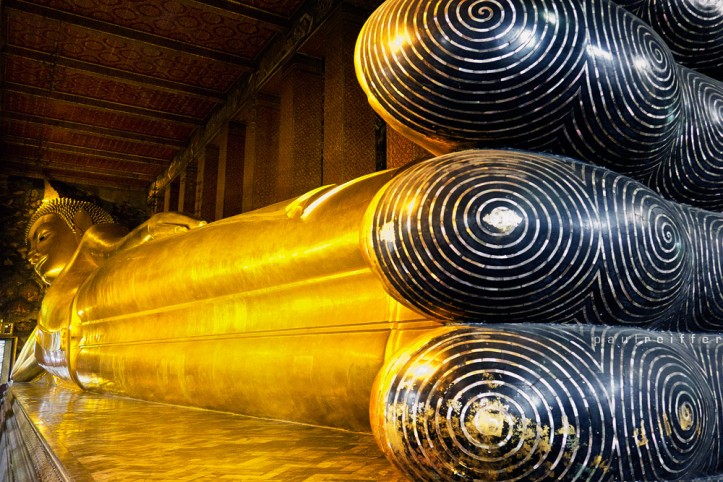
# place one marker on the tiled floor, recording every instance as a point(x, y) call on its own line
point(99, 437)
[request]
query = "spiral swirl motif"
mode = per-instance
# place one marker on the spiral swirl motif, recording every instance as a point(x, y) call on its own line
point(693, 29)
point(704, 307)
point(708, 351)
point(629, 110)
point(475, 65)
point(485, 236)
point(507, 233)
point(585, 79)
point(694, 170)
point(531, 402)
point(474, 404)
point(648, 261)
point(665, 405)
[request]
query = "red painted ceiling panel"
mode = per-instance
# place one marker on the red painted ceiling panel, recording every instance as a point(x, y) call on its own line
point(184, 21)
point(66, 111)
point(26, 71)
point(80, 43)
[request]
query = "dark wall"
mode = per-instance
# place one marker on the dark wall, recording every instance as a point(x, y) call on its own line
point(21, 291)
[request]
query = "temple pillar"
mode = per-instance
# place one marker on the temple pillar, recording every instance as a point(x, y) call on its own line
point(206, 183)
point(401, 151)
point(187, 189)
point(229, 194)
point(170, 198)
point(300, 133)
point(261, 169)
point(220, 191)
point(158, 203)
point(349, 121)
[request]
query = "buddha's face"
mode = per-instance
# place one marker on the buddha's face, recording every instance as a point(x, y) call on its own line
point(52, 245)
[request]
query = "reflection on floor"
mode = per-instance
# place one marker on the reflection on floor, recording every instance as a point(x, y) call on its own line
point(97, 437)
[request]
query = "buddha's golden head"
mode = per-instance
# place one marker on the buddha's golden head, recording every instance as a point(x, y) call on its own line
point(54, 233)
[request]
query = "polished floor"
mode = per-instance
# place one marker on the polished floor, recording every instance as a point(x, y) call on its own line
point(98, 438)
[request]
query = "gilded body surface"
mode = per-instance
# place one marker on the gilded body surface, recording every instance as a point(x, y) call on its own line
point(242, 315)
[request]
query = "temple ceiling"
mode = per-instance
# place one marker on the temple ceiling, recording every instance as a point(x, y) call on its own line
point(110, 93)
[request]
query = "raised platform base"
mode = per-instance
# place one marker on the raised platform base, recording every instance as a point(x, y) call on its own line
point(51, 434)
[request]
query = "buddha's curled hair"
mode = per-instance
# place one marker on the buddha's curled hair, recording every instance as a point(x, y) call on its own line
point(67, 209)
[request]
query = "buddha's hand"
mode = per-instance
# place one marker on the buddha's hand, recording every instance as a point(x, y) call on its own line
point(166, 224)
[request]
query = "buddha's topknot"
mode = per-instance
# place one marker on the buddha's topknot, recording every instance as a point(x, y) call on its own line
point(67, 209)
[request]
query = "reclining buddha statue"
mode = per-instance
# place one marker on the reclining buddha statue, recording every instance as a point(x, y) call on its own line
point(489, 314)
point(442, 283)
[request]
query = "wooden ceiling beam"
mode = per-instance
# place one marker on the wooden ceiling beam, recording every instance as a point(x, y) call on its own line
point(78, 171)
point(141, 79)
point(131, 34)
point(104, 156)
point(103, 104)
point(126, 184)
point(72, 170)
point(90, 129)
point(278, 21)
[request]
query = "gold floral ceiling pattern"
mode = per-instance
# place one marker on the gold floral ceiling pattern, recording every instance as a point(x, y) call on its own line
point(109, 92)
